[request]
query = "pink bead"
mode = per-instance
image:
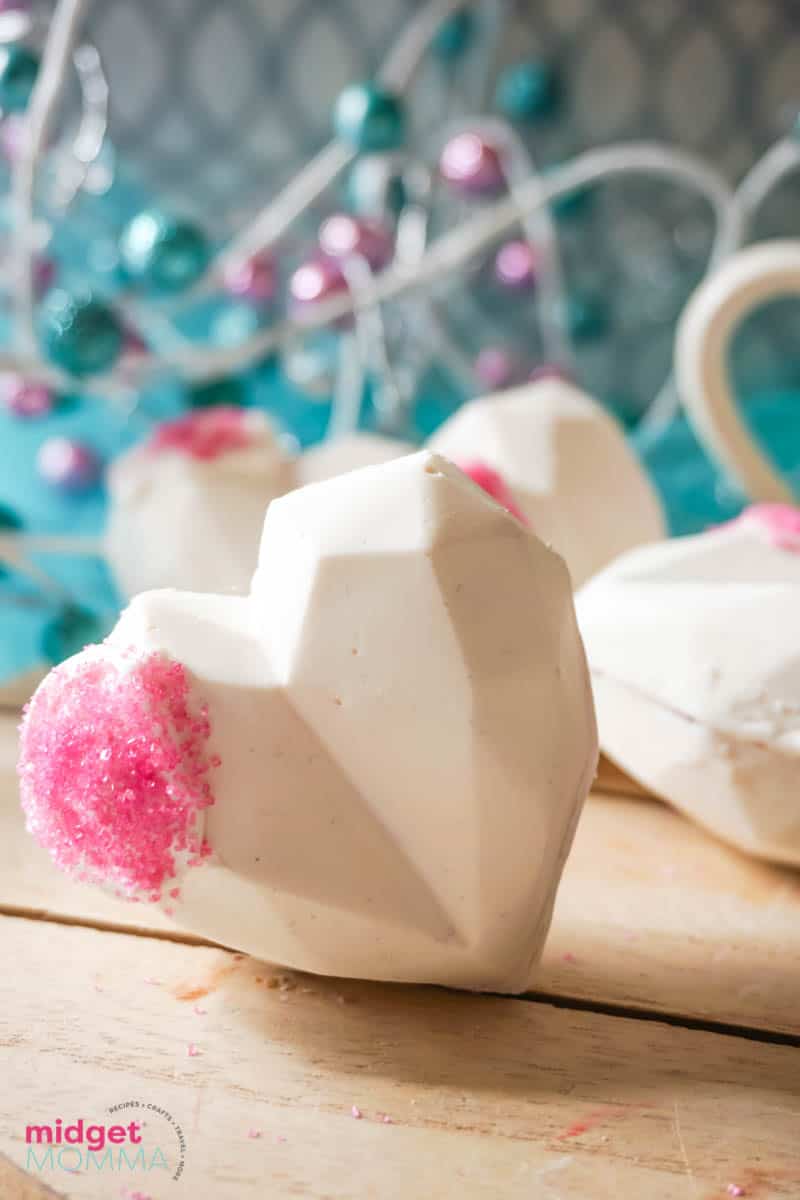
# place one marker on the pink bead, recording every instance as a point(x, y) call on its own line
point(205, 434)
point(68, 465)
point(316, 280)
point(494, 367)
point(342, 236)
point(549, 371)
point(780, 523)
point(494, 485)
point(255, 279)
point(114, 769)
point(471, 164)
point(25, 398)
point(515, 266)
point(132, 342)
point(44, 275)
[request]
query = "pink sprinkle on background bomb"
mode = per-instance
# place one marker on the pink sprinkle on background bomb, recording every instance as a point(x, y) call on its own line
point(205, 434)
point(114, 771)
point(780, 523)
point(494, 485)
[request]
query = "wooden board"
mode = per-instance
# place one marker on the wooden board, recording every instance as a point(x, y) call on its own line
point(485, 1097)
point(652, 913)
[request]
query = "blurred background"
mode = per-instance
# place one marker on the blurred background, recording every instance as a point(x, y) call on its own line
point(213, 108)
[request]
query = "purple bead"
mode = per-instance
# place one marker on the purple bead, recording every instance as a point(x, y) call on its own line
point(342, 236)
point(132, 342)
point(255, 279)
point(68, 465)
point(495, 367)
point(25, 398)
point(317, 280)
point(471, 164)
point(549, 371)
point(515, 266)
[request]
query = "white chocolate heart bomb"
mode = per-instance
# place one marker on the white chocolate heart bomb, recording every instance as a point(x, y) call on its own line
point(348, 453)
point(694, 649)
point(566, 461)
point(372, 765)
point(187, 506)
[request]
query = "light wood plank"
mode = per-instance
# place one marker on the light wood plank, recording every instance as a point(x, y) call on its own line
point(486, 1097)
point(652, 913)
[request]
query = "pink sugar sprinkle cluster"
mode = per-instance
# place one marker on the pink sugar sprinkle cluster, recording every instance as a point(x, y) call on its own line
point(114, 771)
point(780, 523)
point(494, 485)
point(205, 434)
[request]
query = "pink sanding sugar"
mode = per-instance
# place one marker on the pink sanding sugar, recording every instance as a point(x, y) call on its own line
point(780, 523)
point(206, 433)
point(494, 485)
point(113, 769)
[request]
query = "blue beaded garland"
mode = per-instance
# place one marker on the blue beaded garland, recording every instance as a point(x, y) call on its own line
point(455, 35)
point(528, 91)
point(369, 118)
point(19, 67)
point(78, 332)
point(162, 252)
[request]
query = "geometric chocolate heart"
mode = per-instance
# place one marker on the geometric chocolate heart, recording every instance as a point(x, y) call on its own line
point(568, 466)
point(694, 649)
point(370, 766)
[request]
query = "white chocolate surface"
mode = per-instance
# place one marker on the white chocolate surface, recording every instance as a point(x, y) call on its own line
point(403, 713)
point(568, 465)
point(694, 648)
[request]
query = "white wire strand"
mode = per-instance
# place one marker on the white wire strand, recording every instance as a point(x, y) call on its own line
point(42, 109)
point(455, 248)
point(396, 74)
point(539, 231)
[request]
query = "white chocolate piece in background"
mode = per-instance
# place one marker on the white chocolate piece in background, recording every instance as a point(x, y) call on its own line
point(694, 649)
point(348, 453)
point(405, 724)
point(568, 466)
point(177, 520)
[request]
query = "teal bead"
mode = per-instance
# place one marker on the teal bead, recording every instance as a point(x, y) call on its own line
point(163, 253)
point(369, 118)
point(528, 91)
point(455, 35)
point(10, 522)
point(19, 67)
point(587, 317)
point(375, 186)
point(78, 332)
point(573, 205)
point(228, 391)
point(68, 633)
point(235, 324)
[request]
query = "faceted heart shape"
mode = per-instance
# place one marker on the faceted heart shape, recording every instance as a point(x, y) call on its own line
point(694, 648)
point(396, 726)
point(567, 465)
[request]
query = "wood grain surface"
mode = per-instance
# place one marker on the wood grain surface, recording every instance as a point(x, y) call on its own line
point(485, 1097)
point(652, 913)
